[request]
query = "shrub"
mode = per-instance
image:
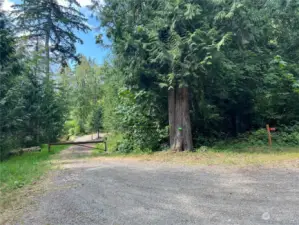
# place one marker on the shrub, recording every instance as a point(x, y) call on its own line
point(71, 128)
point(139, 123)
point(283, 137)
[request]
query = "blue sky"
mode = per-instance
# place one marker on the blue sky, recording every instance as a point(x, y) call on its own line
point(89, 48)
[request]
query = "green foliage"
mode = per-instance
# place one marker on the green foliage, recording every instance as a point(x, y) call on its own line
point(7, 48)
point(126, 111)
point(139, 122)
point(287, 135)
point(53, 113)
point(81, 88)
point(71, 128)
point(114, 141)
point(284, 136)
point(238, 59)
point(110, 99)
point(32, 108)
point(95, 123)
point(48, 20)
point(34, 113)
point(279, 100)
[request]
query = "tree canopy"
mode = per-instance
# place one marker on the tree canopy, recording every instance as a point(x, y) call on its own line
point(181, 74)
point(230, 65)
point(33, 38)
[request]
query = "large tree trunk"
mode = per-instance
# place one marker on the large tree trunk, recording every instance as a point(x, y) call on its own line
point(178, 139)
point(186, 121)
point(179, 120)
point(171, 116)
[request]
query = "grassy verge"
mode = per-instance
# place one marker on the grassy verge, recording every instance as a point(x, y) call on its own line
point(288, 157)
point(210, 158)
point(19, 171)
point(232, 155)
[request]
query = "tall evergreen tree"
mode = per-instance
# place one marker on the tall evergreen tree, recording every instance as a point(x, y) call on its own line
point(54, 24)
point(169, 43)
point(19, 93)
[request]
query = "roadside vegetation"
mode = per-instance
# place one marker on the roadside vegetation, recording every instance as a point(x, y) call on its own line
point(203, 76)
point(200, 73)
point(28, 168)
point(33, 103)
point(284, 157)
point(186, 81)
point(249, 150)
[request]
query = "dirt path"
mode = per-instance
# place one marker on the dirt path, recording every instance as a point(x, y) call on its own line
point(76, 152)
point(90, 137)
point(107, 191)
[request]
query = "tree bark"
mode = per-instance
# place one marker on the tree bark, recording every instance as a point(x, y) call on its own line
point(179, 121)
point(178, 141)
point(171, 116)
point(186, 121)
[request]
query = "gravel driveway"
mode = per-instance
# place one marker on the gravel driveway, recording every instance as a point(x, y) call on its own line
point(117, 192)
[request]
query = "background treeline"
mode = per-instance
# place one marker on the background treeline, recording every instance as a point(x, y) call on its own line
point(199, 71)
point(237, 58)
point(37, 95)
point(82, 88)
point(35, 110)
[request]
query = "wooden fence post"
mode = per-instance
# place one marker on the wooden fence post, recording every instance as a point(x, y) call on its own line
point(105, 145)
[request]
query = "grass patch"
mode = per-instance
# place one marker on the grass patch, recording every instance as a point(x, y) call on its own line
point(236, 152)
point(19, 171)
point(255, 156)
point(214, 157)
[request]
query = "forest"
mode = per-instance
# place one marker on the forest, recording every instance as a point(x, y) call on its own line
point(181, 74)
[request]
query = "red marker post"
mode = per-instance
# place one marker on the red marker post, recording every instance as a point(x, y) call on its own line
point(269, 130)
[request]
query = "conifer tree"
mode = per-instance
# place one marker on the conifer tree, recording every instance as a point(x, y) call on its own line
point(54, 24)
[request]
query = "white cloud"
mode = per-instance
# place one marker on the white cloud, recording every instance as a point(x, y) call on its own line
point(83, 3)
point(7, 4)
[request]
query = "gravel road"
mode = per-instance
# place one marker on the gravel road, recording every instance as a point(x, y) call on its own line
point(117, 192)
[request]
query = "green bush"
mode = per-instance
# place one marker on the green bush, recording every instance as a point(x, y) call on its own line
point(138, 122)
point(257, 138)
point(284, 136)
point(71, 128)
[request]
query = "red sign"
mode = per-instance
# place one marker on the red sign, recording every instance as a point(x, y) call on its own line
point(272, 129)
